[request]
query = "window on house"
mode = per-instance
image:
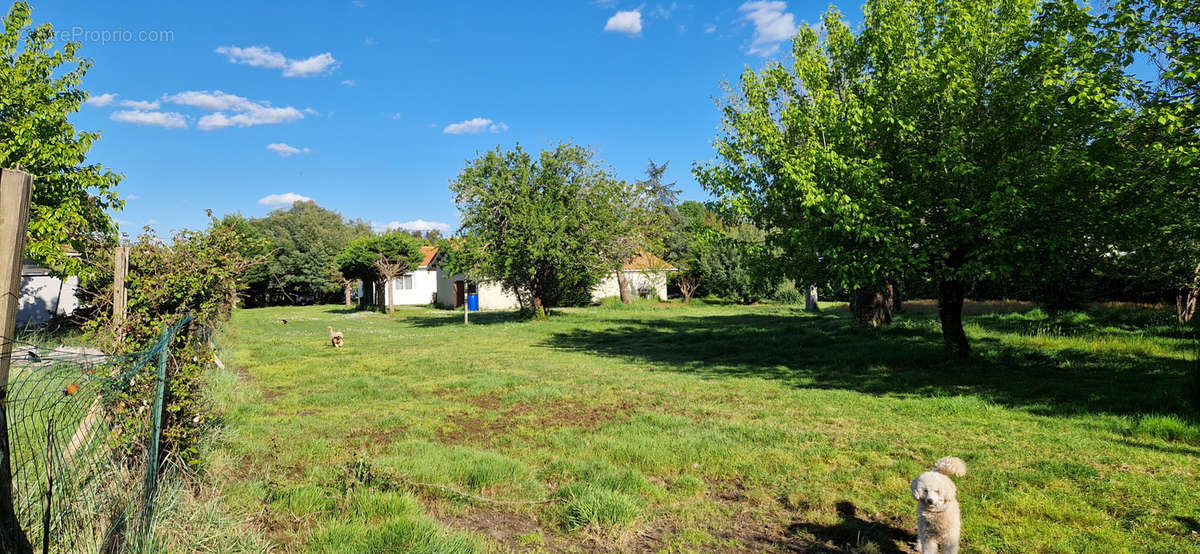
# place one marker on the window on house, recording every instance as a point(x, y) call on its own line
point(404, 282)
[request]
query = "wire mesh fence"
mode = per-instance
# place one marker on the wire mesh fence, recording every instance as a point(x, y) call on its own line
point(82, 480)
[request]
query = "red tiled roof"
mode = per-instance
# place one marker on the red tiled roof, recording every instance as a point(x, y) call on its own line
point(429, 252)
point(645, 261)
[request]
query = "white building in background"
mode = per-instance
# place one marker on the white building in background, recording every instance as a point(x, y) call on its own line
point(43, 296)
point(415, 288)
point(646, 276)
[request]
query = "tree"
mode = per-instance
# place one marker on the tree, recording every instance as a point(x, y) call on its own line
point(380, 259)
point(950, 140)
point(303, 241)
point(642, 221)
point(1163, 143)
point(731, 262)
point(543, 227)
point(39, 90)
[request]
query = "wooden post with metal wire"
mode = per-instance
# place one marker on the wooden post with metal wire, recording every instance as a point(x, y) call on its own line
point(16, 189)
point(120, 295)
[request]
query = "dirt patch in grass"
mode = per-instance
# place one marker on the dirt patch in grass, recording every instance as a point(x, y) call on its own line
point(516, 532)
point(493, 418)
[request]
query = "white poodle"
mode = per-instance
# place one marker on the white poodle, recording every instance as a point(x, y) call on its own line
point(938, 520)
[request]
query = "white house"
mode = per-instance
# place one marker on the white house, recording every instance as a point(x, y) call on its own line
point(646, 276)
point(43, 295)
point(415, 288)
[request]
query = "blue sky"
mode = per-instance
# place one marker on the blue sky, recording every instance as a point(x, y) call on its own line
point(372, 107)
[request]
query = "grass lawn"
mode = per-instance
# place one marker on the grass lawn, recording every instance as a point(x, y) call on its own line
point(705, 428)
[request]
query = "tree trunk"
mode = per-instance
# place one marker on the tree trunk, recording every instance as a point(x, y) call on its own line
point(810, 301)
point(872, 305)
point(349, 293)
point(1185, 305)
point(897, 296)
point(389, 292)
point(623, 284)
point(950, 310)
point(539, 310)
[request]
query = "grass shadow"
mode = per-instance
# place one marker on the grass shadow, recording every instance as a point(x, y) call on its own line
point(829, 352)
point(855, 532)
point(476, 318)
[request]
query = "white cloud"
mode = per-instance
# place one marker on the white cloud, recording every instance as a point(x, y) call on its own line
point(710, 29)
point(349, 83)
point(415, 225)
point(370, 41)
point(629, 23)
point(359, 4)
point(132, 197)
point(246, 112)
point(285, 199)
point(254, 56)
point(263, 56)
point(474, 126)
point(772, 25)
point(166, 120)
point(141, 104)
point(316, 65)
point(101, 100)
point(284, 149)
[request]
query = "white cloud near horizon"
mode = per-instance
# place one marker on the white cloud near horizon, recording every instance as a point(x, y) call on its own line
point(141, 104)
point(101, 100)
point(474, 126)
point(246, 112)
point(629, 23)
point(263, 56)
point(284, 149)
point(772, 25)
point(414, 225)
point(166, 120)
point(282, 200)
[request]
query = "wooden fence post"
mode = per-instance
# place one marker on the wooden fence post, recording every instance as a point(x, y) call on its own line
point(120, 296)
point(15, 190)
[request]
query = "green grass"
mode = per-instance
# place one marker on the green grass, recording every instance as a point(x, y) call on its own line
point(706, 427)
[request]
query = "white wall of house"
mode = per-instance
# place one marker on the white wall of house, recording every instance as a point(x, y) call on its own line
point(43, 296)
point(416, 288)
point(654, 281)
point(492, 295)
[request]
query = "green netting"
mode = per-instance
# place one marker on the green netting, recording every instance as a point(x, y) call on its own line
point(76, 487)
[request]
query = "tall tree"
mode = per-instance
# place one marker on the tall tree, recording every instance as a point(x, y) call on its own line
point(642, 221)
point(952, 140)
point(1163, 143)
point(544, 226)
point(39, 90)
point(304, 240)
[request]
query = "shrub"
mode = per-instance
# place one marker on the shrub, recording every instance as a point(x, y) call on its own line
point(194, 273)
point(787, 293)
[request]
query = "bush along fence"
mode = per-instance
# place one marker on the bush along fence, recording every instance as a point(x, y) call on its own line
point(79, 482)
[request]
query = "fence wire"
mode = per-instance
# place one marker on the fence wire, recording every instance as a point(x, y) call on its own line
point(80, 482)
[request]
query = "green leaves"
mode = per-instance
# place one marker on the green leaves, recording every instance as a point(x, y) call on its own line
point(945, 141)
point(548, 227)
point(72, 200)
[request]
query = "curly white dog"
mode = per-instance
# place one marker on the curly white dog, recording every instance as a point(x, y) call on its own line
point(938, 520)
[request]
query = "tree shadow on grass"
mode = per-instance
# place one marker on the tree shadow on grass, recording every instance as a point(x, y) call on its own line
point(476, 318)
point(829, 352)
point(854, 532)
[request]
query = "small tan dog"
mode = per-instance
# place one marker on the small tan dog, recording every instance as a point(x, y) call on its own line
point(938, 519)
point(336, 338)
